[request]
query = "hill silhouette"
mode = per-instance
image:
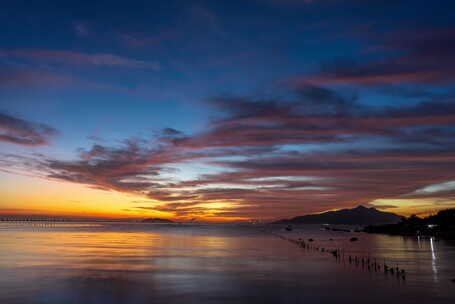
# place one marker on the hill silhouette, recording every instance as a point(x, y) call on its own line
point(356, 216)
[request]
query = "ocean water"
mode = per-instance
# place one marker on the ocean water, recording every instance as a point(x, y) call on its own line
point(196, 263)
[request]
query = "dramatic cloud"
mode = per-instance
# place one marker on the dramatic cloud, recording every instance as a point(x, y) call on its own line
point(264, 163)
point(307, 105)
point(17, 131)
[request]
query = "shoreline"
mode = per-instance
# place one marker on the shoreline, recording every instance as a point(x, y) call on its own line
point(446, 235)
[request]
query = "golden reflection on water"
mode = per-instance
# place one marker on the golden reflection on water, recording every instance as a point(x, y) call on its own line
point(119, 251)
point(433, 260)
point(140, 264)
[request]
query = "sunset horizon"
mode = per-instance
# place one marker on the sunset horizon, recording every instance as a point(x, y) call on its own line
point(178, 111)
point(227, 151)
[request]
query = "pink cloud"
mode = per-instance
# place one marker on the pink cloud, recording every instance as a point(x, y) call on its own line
point(268, 182)
point(17, 131)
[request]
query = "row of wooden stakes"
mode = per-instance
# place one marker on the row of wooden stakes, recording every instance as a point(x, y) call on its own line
point(367, 263)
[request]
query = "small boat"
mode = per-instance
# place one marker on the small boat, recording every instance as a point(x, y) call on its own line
point(353, 239)
point(288, 228)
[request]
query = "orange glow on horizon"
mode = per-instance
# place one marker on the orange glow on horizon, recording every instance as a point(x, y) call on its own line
point(54, 198)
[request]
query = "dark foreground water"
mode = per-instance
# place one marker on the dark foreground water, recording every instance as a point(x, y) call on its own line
point(146, 263)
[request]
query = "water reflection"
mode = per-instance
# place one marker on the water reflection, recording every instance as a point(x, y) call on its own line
point(433, 260)
point(198, 264)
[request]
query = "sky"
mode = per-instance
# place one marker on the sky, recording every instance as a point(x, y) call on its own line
point(226, 110)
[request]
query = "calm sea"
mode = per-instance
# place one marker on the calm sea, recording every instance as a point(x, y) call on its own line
point(163, 263)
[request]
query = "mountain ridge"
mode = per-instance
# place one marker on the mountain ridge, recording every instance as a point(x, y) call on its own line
point(359, 215)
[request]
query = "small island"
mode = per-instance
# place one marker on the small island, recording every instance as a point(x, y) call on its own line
point(157, 221)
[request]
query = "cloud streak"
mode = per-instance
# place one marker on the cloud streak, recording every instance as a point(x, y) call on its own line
point(417, 57)
point(25, 77)
point(21, 132)
point(77, 58)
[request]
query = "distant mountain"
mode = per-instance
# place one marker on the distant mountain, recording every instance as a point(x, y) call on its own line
point(157, 221)
point(356, 216)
